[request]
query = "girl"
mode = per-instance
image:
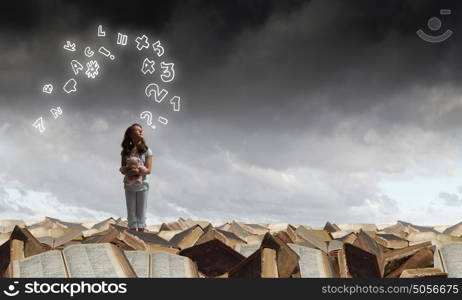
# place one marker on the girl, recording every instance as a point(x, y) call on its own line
point(136, 196)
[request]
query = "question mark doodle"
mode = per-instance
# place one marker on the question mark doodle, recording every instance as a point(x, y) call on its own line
point(148, 116)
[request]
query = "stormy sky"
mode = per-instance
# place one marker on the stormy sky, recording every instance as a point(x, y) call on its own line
point(291, 111)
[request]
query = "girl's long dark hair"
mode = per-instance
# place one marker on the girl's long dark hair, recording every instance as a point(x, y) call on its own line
point(128, 145)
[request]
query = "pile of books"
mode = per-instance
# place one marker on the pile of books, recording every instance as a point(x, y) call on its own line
point(199, 249)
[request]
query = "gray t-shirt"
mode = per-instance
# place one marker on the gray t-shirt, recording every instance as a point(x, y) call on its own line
point(145, 185)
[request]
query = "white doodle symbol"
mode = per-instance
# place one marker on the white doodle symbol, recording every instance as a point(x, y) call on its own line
point(169, 73)
point(162, 120)
point(148, 116)
point(106, 53)
point(11, 290)
point(175, 101)
point(92, 69)
point(38, 124)
point(88, 52)
point(47, 88)
point(76, 67)
point(158, 48)
point(122, 39)
point(100, 31)
point(148, 66)
point(70, 86)
point(153, 89)
point(69, 46)
point(142, 42)
point(56, 112)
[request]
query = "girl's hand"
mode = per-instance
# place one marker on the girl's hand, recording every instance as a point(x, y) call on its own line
point(134, 171)
point(123, 170)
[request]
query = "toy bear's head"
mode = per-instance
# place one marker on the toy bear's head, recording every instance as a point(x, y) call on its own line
point(132, 161)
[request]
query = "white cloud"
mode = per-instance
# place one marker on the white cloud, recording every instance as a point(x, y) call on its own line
point(17, 201)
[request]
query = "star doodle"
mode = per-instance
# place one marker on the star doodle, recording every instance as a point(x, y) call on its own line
point(92, 69)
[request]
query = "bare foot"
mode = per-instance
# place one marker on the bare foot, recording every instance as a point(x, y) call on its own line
point(140, 229)
point(134, 228)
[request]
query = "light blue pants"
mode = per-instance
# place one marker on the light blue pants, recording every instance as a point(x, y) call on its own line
point(136, 208)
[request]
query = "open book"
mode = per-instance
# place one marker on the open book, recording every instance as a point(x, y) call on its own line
point(83, 260)
point(448, 258)
point(261, 264)
point(313, 262)
point(161, 265)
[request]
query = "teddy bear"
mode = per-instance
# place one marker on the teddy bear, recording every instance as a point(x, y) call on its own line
point(134, 179)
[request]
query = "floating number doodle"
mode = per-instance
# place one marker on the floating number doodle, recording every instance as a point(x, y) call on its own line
point(153, 89)
point(175, 101)
point(158, 49)
point(169, 72)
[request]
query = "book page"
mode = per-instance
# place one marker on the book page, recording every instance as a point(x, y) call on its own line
point(48, 264)
point(269, 268)
point(437, 263)
point(70, 235)
point(8, 225)
point(166, 265)
point(92, 260)
point(4, 237)
point(247, 250)
point(139, 260)
point(311, 261)
point(452, 259)
point(311, 237)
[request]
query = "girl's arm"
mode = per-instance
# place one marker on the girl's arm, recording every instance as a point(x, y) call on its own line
point(124, 169)
point(147, 166)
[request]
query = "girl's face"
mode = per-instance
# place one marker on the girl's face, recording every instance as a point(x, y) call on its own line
point(137, 134)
